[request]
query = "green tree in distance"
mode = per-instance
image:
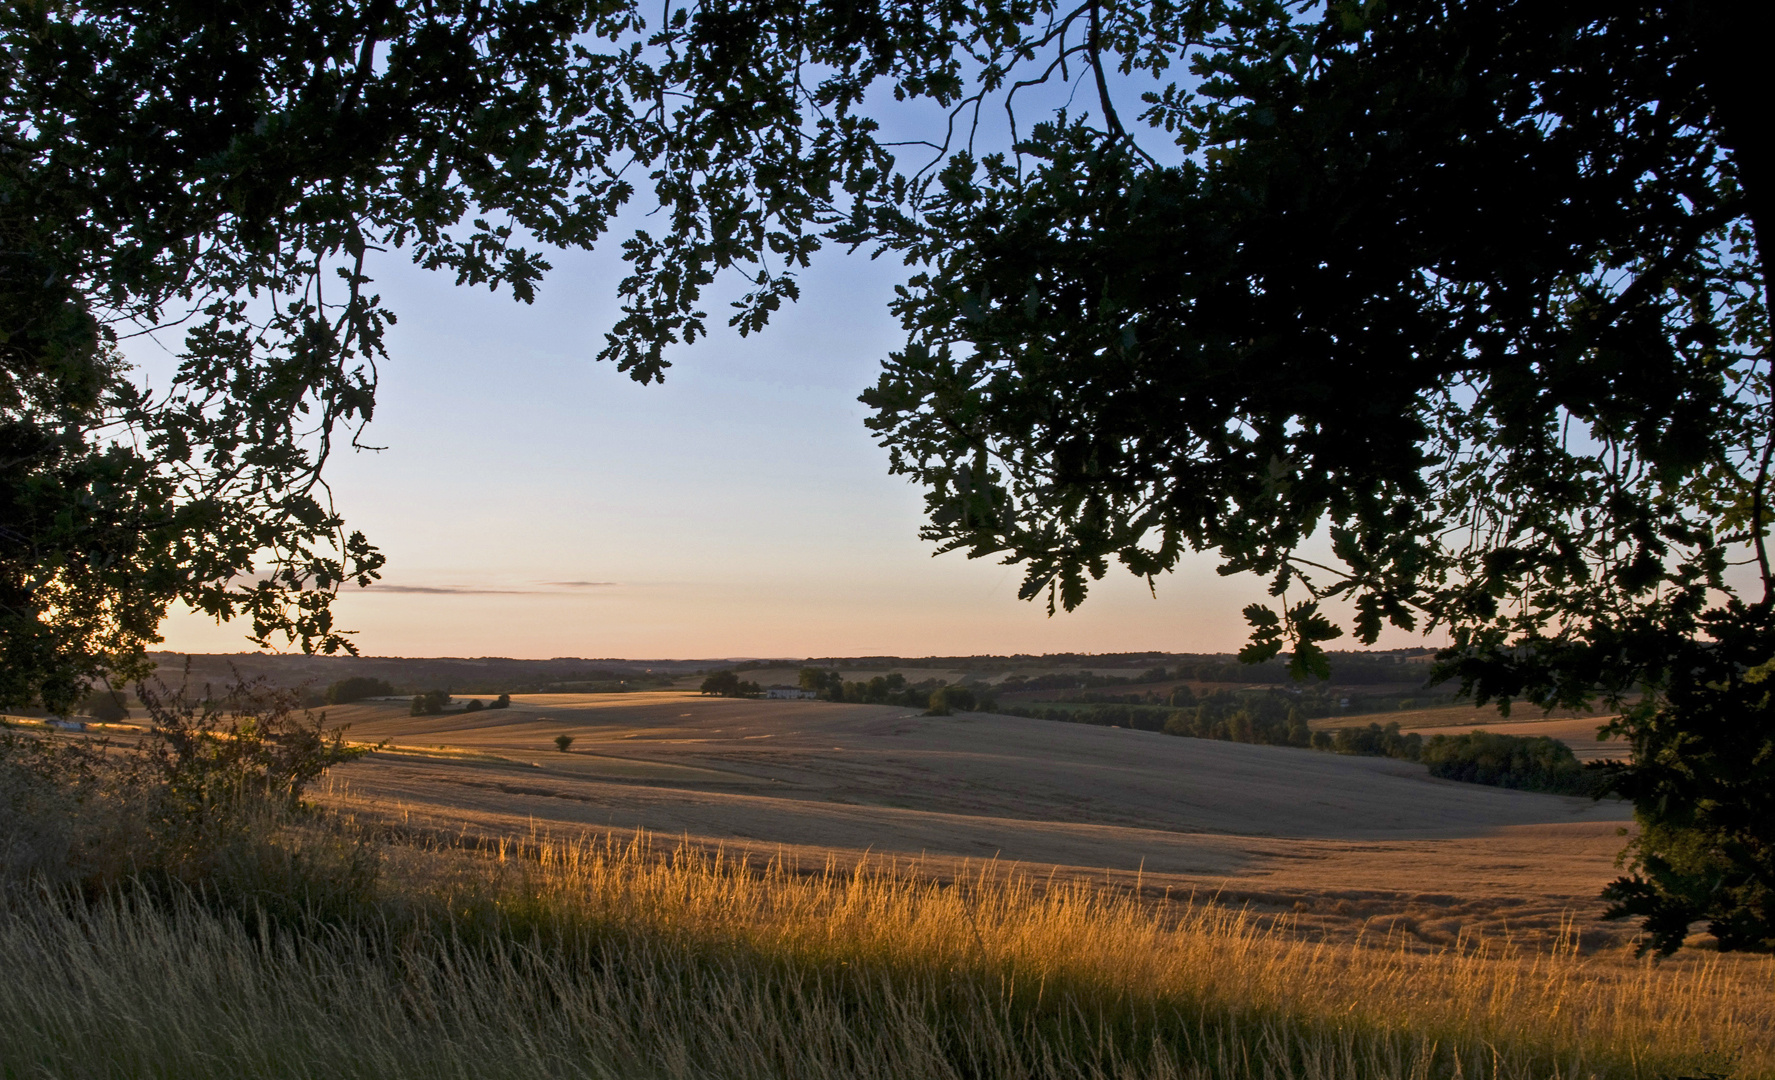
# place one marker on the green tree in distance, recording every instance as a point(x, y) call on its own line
point(729, 684)
point(1476, 293)
point(429, 703)
point(105, 706)
point(822, 682)
point(357, 688)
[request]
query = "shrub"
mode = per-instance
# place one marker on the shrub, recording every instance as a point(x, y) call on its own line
point(947, 699)
point(1539, 763)
point(211, 798)
point(729, 684)
point(562, 742)
point(213, 758)
point(430, 703)
point(474, 705)
point(1377, 741)
point(105, 706)
point(503, 701)
point(65, 817)
point(357, 688)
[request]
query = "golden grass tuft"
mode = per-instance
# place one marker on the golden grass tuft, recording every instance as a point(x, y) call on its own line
point(606, 959)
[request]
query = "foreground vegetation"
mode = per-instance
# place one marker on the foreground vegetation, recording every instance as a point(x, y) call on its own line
point(174, 909)
point(589, 959)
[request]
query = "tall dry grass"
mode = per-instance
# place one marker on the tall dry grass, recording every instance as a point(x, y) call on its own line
point(606, 960)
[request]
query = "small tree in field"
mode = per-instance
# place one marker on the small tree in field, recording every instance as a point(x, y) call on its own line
point(105, 706)
point(729, 684)
point(430, 702)
point(562, 742)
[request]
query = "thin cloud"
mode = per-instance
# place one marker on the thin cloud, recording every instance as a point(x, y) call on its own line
point(453, 590)
point(548, 588)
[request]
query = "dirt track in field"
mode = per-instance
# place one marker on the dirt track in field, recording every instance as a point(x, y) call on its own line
point(1343, 841)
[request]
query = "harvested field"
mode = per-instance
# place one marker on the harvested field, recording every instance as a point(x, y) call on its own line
point(1346, 843)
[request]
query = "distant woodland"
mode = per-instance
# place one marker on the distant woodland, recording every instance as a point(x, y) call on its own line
point(1204, 696)
point(1108, 678)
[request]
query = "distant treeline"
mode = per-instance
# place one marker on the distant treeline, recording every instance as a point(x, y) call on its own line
point(359, 687)
point(1527, 764)
point(986, 663)
point(1312, 700)
point(410, 675)
point(936, 696)
point(494, 675)
point(1347, 668)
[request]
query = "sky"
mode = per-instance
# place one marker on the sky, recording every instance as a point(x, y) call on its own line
point(534, 503)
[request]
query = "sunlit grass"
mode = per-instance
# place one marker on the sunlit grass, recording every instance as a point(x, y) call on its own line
point(600, 959)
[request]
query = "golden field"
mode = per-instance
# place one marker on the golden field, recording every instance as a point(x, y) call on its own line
point(1354, 844)
point(602, 959)
point(756, 889)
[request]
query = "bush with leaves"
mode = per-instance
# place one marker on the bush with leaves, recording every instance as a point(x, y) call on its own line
point(1702, 779)
point(947, 699)
point(213, 757)
point(429, 702)
point(1377, 741)
point(69, 812)
point(210, 799)
point(105, 705)
point(729, 684)
point(1536, 763)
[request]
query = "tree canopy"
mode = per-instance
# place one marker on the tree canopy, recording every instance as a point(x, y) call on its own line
point(1455, 313)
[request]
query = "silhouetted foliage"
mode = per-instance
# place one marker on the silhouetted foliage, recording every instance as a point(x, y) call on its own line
point(503, 701)
point(1476, 291)
point(1702, 780)
point(562, 742)
point(474, 705)
point(1143, 717)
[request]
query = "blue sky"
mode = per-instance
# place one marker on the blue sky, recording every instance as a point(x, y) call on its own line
point(535, 503)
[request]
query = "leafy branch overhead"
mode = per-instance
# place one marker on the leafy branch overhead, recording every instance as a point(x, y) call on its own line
point(223, 178)
point(1450, 316)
